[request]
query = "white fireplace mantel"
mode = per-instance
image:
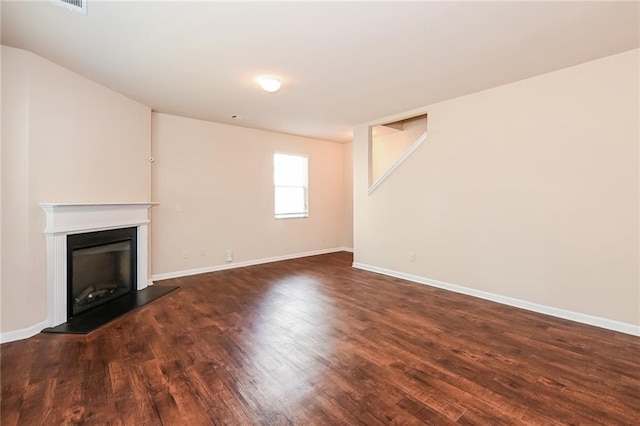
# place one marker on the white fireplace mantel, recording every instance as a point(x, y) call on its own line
point(65, 219)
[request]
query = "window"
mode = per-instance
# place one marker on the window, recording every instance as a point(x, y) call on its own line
point(290, 183)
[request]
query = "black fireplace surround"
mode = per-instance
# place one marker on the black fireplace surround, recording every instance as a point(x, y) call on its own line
point(101, 267)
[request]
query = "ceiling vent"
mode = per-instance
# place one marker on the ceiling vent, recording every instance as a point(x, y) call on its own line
point(79, 6)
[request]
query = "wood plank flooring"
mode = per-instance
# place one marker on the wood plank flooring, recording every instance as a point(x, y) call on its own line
point(313, 341)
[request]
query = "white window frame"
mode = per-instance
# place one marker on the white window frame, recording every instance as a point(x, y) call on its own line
point(293, 215)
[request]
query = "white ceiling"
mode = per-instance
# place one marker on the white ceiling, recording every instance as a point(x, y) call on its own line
point(342, 63)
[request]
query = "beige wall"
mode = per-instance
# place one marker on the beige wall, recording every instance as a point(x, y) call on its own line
point(64, 139)
point(15, 191)
point(347, 165)
point(214, 183)
point(529, 190)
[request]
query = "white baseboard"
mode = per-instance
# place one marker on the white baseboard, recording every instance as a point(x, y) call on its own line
point(23, 333)
point(530, 306)
point(233, 265)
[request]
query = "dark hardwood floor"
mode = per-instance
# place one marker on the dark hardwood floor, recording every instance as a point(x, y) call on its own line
point(313, 341)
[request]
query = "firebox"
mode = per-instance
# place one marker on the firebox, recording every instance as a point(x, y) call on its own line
point(101, 266)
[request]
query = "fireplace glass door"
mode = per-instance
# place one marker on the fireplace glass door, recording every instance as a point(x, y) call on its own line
point(101, 268)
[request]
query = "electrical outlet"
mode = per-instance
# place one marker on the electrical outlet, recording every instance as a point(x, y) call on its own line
point(412, 257)
point(229, 255)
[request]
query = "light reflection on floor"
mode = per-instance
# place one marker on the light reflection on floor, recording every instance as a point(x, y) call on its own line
point(286, 324)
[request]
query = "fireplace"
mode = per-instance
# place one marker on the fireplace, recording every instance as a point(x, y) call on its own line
point(101, 266)
point(79, 230)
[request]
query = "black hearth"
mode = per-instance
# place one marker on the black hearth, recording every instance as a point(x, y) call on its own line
point(101, 267)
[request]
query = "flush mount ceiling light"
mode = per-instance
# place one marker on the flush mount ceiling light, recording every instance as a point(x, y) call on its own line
point(270, 84)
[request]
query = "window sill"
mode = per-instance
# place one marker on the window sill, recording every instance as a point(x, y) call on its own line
point(292, 216)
